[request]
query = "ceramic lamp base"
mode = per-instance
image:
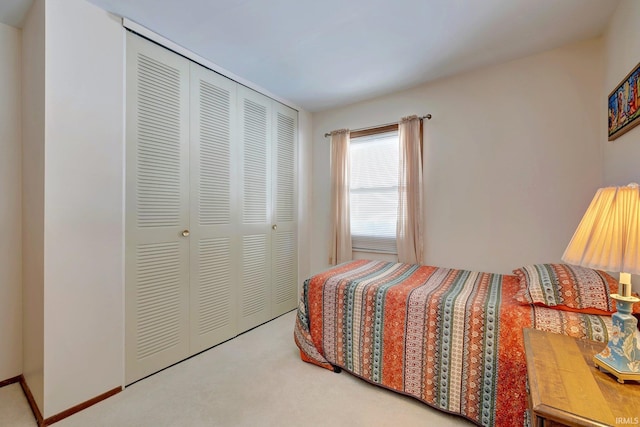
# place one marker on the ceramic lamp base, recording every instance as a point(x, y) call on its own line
point(621, 356)
point(620, 375)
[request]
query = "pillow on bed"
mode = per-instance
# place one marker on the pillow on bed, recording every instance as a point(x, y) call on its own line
point(567, 287)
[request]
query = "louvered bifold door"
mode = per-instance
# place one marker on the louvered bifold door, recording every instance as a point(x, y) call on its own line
point(214, 257)
point(157, 196)
point(284, 238)
point(254, 114)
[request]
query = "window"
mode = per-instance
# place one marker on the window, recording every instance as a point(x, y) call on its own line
point(373, 192)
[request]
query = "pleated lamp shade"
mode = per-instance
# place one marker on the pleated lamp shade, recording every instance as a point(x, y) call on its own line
point(608, 238)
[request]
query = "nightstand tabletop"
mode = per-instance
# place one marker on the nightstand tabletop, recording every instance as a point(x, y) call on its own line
point(566, 387)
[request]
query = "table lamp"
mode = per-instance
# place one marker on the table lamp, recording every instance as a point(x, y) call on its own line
point(608, 238)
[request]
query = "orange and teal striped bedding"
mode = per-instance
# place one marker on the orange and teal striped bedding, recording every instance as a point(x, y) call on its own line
point(450, 338)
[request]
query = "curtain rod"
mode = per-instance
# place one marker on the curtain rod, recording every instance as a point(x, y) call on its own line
point(428, 117)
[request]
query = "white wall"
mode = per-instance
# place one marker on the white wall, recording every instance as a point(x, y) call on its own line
point(33, 66)
point(512, 158)
point(621, 54)
point(84, 163)
point(10, 204)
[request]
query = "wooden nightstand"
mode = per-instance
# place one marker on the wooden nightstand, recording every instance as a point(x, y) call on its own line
point(565, 387)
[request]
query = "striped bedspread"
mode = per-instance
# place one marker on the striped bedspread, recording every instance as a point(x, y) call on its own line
point(450, 338)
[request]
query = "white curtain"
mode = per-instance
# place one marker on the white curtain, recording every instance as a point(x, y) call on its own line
point(340, 250)
point(409, 230)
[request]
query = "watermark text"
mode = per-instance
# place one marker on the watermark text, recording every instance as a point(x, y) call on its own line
point(629, 421)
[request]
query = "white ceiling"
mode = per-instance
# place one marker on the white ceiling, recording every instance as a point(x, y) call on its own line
point(12, 12)
point(321, 54)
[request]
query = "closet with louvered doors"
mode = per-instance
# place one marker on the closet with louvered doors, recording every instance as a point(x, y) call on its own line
point(210, 209)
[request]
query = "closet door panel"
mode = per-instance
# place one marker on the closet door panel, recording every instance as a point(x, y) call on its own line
point(285, 238)
point(156, 265)
point(213, 252)
point(255, 208)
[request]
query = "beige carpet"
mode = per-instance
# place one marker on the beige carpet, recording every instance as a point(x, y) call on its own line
point(14, 409)
point(256, 379)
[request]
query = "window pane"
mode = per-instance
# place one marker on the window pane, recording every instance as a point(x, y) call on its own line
point(374, 192)
point(374, 162)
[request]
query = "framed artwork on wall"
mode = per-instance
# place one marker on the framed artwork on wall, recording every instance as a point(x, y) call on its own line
point(624, 105)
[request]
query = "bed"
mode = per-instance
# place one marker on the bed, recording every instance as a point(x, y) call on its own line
point(450, 338)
